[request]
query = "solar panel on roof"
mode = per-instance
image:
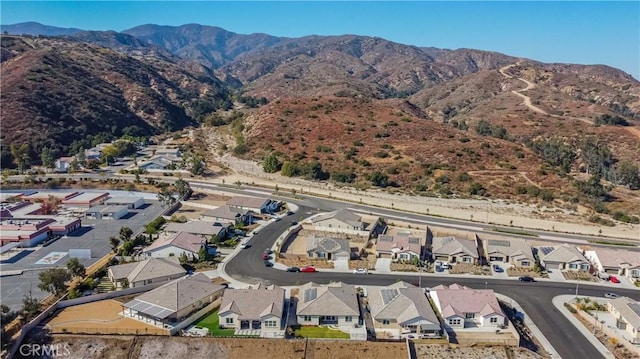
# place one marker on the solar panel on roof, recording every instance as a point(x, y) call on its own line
point(388, 295)
point(385, 238)
point(310, 294)
point(546, 250)
point(414, 240)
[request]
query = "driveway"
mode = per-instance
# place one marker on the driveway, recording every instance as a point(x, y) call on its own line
point(501, 275)
point(383, 265)
point(341, 264)
point(556, 274)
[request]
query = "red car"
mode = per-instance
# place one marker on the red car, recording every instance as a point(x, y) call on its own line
point(613, 279)
point(308, 269)
point(266, 256)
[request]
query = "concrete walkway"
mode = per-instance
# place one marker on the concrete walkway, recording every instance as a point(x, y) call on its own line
point(558, 302)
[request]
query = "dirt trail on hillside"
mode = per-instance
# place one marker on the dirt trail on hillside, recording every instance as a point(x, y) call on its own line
point(527, 100)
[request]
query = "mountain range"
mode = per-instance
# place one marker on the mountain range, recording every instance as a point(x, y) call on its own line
point(325, 94)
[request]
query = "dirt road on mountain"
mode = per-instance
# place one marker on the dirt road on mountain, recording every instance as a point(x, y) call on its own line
point(526, 100)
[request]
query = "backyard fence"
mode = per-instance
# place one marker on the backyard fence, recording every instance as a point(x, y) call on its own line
point(103, 330)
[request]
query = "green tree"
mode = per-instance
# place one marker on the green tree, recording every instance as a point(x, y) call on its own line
point(125, 233)
point(628, 174)
point(289, 169)
point(47, 158)
point(30, 307)
point(21, 156)
point(183, 188)
point(114, 243)
point(271, 163)
point(197, 165)
point(202, 254)
point(379, 179)
point(477, 189)
point(183, 258)
point(166, 195)
point(54, 280)
point(75, 267)
point(74, 166)
point(81, 156)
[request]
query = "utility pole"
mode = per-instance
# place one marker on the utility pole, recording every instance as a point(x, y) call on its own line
point(577, 283)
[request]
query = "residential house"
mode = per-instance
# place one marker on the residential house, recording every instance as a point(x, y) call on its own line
point(331, 304)
point(403, 246)
point(167, 151)
point(514, 251)
point(156, 163)
point(563, 257)
point(253, 204)
point(627, 314)
point(454, 250)
point(148, 271)
point(343, 221)
point(174, 301)
point(256, 308)
point(204, 229)
point(402, 309)
point(63, 164)
point(615, 261)
point(328, 248)
point(228, 214)
point(175, 244)
point(462, 307)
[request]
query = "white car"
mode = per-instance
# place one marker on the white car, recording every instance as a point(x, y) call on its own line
point(361, 271)
point(611, 295)
point(245, 245)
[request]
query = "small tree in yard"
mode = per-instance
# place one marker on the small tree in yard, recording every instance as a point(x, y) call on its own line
point(76, 268)
point(54, 280)
point(114, 243)
point(125, 234)
point(202, 254)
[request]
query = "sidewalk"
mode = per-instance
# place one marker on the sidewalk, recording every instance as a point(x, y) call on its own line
point(558, 302)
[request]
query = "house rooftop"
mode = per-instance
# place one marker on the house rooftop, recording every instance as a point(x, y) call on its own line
point(401, 242)
point(253, 303)
point(617, 258)
point(564, 253)
point(250, 202)
point(174, 296)
point(514, 247)
point(183, 240)
point(204, 228)
point(342, 215)
point(401, 301)
point(457, 300)
point(331, 299)
point(629, 310)
point(225, 212)
point(453, 245)
point(148, 269)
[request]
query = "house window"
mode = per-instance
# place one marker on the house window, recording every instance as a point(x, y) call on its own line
point(306, 318)
point(270, 323)
point(469, 315)
point(348, 318)
point(526, 263)
point(229, 320)
point(573, 266)
point(322, 254)
point(493, 320)
point(454, 321)
point(466, 260)
point(385, 322)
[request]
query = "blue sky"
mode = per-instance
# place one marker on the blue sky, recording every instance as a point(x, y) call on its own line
point(573, 32)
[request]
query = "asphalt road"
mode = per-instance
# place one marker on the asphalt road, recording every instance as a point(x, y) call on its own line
point(535, 298)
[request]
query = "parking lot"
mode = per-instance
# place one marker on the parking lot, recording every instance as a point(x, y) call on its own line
point(93, 235)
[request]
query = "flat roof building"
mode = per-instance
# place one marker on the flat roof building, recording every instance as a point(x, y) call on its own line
point(106, 212)
point(86, 199)
point(131, 202)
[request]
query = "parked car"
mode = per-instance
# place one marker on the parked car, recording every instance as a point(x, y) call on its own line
point(245, 245)
point(294, 223)
point(276, 218)
point(268, 264)
point(613, 279)
point(439, 268)
point(293, 269)
point(361, 271)
point(526, 279)
point(610, 295)
point(268, 251)
point(308, 269)
point(497, 268)
point(289, 213)
point(266, 256)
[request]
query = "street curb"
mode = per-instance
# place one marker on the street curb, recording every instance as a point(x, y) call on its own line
point(558, 302)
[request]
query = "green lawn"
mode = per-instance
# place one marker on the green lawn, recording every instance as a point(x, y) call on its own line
point(320, 332)
point(211, 321)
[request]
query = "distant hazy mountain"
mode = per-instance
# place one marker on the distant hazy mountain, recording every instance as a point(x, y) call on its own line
point(210, 45)
point(35, 28)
